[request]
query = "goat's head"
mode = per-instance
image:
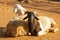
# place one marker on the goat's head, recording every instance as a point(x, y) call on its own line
point(33, 24)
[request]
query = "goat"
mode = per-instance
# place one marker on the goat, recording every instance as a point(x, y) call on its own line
point(19, 9)
point(16, 27)
point(41, 26)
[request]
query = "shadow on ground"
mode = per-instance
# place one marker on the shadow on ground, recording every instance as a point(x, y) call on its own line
point(2, 35)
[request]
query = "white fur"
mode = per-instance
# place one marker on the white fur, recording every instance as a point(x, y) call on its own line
point(19, 9)
point(45, 25)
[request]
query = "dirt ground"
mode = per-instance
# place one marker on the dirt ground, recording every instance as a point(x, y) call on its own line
point(43, 9)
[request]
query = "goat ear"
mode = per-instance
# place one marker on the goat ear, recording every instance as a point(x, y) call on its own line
point(36, 18)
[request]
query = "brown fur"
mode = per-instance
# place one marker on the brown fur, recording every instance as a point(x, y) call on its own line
point(37, 25)
point(17, 27)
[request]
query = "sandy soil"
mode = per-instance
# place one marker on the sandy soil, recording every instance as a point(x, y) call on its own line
point(43, 9)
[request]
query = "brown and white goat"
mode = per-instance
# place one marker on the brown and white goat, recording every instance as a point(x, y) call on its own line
point(16, 27)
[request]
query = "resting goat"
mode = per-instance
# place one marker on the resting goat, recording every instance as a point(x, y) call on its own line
point(16, 27)
point(44, 24)
point(41, 26)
